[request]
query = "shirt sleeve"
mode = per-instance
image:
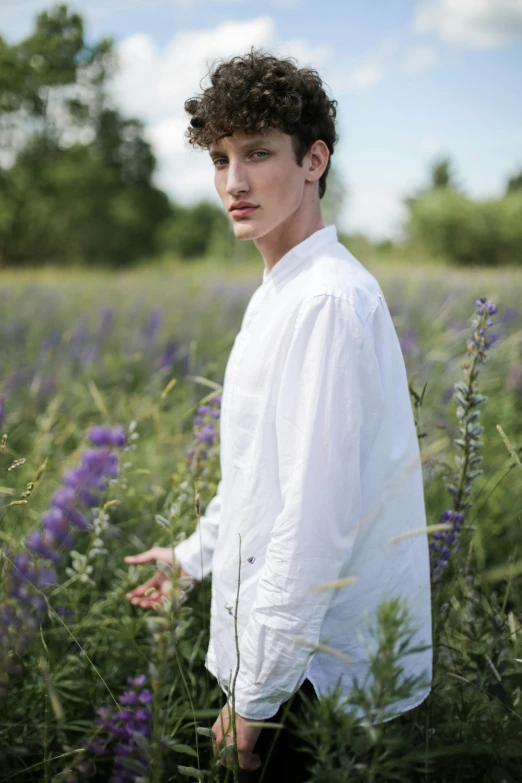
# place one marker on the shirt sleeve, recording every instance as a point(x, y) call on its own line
point(319, 418)
point(194, 554)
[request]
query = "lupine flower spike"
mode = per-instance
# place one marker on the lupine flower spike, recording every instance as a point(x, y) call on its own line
point(27, 574)
point(445, 544)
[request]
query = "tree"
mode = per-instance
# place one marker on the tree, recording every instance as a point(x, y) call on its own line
point(514, 183)
point(441, 176)
point(76, 183)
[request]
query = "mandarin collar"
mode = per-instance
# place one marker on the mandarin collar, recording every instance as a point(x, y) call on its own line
point(297, 254)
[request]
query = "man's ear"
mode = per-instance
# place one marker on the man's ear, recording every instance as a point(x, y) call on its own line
point(318, 156)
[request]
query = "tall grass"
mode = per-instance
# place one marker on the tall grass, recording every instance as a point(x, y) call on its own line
point(99, 689)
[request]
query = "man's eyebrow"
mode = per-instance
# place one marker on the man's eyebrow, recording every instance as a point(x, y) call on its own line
point(254, 142)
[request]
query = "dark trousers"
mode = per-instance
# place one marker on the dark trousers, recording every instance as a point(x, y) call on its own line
point(282, 757)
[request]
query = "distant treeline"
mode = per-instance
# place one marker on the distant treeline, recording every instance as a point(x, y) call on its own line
point(462, 230)
point(76, 176)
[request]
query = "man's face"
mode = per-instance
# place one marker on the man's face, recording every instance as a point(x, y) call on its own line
point(260, 170)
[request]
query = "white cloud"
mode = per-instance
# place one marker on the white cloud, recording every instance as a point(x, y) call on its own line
point(153, 83)
point(418, 58)
point(475, 23)
point(364, 76)
point(430, 146)
point(17, 17)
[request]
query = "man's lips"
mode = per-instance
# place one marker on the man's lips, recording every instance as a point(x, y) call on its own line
point(240, 211)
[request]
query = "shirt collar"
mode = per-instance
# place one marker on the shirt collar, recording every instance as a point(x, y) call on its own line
point(297, 254)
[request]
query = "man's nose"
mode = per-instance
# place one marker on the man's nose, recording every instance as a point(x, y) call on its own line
point(237, 180)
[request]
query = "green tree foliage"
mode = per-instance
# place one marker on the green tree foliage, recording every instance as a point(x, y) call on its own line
point(196, 230)
point(464, 231)
point(514, 183)
point(452, 226)
point(76, 185)
point(442, 174)
point(442, 177)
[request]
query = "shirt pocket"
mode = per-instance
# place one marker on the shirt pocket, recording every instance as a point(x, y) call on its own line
point(244, 420)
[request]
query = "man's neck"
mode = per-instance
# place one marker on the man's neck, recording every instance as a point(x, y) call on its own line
point(281, 240)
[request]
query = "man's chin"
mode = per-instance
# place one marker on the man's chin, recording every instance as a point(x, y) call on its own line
point(246, 230)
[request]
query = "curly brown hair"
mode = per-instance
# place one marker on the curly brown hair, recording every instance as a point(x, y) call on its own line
point(258, 91)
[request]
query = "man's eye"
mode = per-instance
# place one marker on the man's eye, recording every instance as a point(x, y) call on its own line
point(219, 160)
point(260, 152)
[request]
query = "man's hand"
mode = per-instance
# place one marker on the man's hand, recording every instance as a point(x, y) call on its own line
point(246, 739)
point(159, 584)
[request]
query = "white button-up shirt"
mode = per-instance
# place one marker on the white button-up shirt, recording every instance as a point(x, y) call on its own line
point(320, 467)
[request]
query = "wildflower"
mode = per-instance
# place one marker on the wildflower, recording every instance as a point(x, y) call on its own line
point(24, 608)
point(123, 728)
point(205, 433)
point(154, 323)
point(137, 682)
point(107, 436)
point(95, 746)
point(444, 544)
point(145, 697)
point(129, 697)
point(42, 544)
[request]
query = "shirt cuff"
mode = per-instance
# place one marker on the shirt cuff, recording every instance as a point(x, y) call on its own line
point(251, 704)
point(189, 558)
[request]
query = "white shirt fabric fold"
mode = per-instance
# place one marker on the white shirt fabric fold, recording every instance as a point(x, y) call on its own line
point(320, 467)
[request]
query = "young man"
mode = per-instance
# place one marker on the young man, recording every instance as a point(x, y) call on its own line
point(319, 452)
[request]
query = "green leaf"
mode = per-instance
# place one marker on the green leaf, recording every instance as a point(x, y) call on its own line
point(199, 774)
point(180, 748)
point(205, 732)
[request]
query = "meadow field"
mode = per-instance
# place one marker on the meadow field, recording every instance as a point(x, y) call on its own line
point(93, 688)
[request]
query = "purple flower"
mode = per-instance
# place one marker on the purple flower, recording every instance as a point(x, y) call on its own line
point(126, 727)
point(155, 319)
point(65, 611)
point(96, 746)
point(81, 521)
point(207, 434)
point(105, 321)
point(64, 498)
point(143, 714)
point(44, 577)
point(55, 524)
point(1, 410)
point(24, 608)
point(124, 715)
point(137, 682)
point(42, 545)
point(107, 436)
point(105, 715)
point(129, 697)
point(122, 749)
point(145, 696)
point(168, 354)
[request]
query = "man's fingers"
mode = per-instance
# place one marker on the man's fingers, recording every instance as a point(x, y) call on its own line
point(146, 603)
point(155, 595)
point(151, 555)
point(154, 581)
point(247, 761)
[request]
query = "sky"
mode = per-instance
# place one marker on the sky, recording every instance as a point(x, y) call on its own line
point(414, 79)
